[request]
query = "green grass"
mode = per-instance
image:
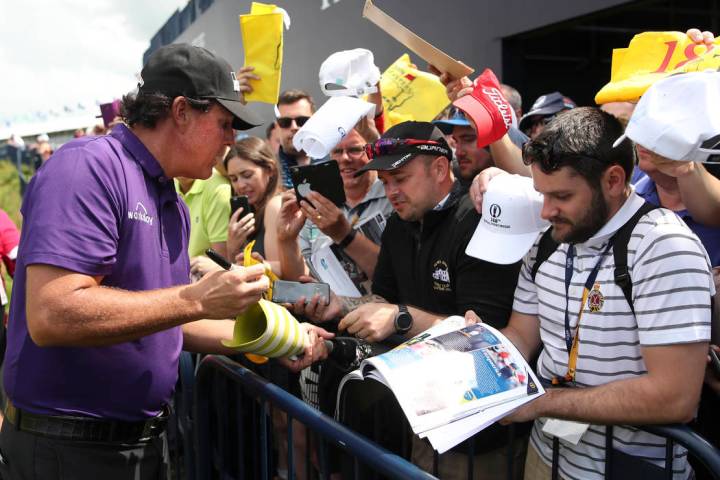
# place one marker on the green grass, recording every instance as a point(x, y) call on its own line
point(10, 201)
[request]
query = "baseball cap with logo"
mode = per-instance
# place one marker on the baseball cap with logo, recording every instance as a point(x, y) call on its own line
point(677, 118)
point(403, 142)
point(510, 220)
point(349, 72)
point(184, 70)
point(486, 106)
point(545, 106)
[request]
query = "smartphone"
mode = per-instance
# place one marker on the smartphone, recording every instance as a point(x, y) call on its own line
point(284, 291)
point(323, 178)
point(240, 201)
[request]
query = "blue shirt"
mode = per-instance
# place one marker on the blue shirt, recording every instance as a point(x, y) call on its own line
point(709, 236)
point(100, 206)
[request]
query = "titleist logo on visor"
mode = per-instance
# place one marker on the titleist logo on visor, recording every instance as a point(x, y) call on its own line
point(496, 97)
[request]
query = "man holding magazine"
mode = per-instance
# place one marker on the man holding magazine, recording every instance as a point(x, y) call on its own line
point(423, 274)
point(611, 357)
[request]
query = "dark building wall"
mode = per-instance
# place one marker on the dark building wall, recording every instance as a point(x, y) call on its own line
point(471, 31)
point(538, 46)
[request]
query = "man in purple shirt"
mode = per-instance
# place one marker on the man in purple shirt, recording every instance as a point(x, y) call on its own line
point(102, 303)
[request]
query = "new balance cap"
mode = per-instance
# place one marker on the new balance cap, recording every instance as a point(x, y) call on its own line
point(181, 69)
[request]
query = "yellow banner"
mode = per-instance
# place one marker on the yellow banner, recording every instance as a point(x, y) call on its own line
point(262, 36)
point(650, 57)
point(410, 94)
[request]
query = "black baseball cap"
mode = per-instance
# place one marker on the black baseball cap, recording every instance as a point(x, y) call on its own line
point(408, 131)
point(546, 105)
point(181, 69)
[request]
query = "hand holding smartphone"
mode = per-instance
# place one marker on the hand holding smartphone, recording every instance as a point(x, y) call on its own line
point(240, 201)
point(284, 291)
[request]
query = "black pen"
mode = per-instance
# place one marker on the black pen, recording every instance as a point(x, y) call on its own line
point(219, 259)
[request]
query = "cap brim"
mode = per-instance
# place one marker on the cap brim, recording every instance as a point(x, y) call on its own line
point(244, 118)
point(620, 139)
point(387, 162)
point(503, 249)
point(446, 126)
point(545, 111)
point(474, 109)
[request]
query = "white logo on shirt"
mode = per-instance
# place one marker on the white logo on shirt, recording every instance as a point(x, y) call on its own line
point(140, 214)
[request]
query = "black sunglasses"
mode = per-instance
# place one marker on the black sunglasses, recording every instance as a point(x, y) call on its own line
point(545, 156)
point(285, 122)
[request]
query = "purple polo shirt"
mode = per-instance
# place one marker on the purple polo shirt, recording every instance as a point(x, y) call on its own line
point(102, 207)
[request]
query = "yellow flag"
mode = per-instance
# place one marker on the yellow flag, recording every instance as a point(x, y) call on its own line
point(410, 94)
point(262, 36)
point(650, 57)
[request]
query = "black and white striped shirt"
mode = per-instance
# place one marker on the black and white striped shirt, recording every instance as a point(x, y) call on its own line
point(672, 286)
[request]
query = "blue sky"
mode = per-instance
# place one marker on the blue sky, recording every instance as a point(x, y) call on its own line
point(58, 53)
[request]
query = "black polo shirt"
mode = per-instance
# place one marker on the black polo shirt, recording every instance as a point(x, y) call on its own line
point(425, 265)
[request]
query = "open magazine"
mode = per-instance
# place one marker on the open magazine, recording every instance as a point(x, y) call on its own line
point(453, 380)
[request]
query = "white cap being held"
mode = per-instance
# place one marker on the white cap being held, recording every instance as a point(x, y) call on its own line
point(510, 220)
point(349, 73)
point(678, 118)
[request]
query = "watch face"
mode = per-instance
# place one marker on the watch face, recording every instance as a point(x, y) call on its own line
point(403, 322)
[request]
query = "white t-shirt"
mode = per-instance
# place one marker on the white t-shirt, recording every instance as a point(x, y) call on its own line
point(672, 286)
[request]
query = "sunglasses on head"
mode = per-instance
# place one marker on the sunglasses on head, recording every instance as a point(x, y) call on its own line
point(390, 146)
point(545, 156)
point(286, 122)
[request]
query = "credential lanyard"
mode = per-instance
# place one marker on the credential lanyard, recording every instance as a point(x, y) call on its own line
point(572, 339)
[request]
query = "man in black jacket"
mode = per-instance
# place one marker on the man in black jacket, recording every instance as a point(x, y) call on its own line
point(423, 274)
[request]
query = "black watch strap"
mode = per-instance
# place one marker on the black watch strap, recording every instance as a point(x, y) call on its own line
point(348, 238)
point(403, 320)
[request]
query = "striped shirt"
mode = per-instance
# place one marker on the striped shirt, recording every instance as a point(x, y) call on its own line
point(672, 286)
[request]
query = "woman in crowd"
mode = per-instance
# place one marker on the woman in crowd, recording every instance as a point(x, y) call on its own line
point(253, 172)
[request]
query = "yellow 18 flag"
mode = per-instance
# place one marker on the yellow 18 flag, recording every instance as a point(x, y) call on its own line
point(652, 56)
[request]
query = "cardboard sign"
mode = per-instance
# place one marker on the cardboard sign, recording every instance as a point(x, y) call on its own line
point(426, 51)
point(652, 56)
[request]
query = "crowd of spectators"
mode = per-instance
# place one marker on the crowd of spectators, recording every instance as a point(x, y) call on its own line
point(112, 279)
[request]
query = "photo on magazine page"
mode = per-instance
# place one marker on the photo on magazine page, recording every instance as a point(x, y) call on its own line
point(466, 369)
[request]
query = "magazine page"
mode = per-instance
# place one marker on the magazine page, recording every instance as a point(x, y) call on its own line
point(445, 437)
point(442, 378)
point(368, 369)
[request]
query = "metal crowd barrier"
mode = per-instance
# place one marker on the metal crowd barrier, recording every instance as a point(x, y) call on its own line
point(233, 433)
point(224, 430)
point(697, 447)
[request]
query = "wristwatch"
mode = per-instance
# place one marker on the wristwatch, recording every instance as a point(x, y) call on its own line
point(403, 320)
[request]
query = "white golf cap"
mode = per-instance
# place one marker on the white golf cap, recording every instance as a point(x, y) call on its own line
point(510, 220)
point(349, 73)
point(678, 118)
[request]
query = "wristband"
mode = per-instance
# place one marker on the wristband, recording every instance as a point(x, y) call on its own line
point(348, 238)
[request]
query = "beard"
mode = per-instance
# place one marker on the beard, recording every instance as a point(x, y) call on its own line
point(587, 226)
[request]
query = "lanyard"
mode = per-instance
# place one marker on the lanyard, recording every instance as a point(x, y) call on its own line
point(572, 339)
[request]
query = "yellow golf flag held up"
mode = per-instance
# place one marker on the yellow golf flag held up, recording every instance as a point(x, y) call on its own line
point(652, 56)
point(262, 36)
point(410, 94)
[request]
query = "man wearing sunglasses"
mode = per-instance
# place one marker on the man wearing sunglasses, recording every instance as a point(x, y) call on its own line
point(294, 108)
point(423, 274)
